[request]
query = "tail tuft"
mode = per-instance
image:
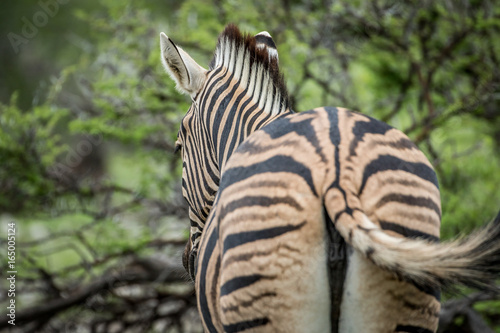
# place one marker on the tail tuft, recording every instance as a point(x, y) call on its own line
point(472, 261)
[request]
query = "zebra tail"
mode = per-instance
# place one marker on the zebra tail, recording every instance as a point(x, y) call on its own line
point(472, 261)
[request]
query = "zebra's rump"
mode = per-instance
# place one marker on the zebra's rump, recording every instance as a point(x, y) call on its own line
point(364, 163)
point(273, 232)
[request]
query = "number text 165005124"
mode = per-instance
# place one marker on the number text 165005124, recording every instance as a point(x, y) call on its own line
point(11, 272)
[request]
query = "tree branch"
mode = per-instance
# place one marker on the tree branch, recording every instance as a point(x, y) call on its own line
point(141, 270)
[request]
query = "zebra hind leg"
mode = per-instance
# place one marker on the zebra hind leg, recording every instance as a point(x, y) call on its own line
point(273, 272)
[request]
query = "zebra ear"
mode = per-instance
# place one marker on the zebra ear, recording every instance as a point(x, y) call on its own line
point(188, 75)
point(264, 39)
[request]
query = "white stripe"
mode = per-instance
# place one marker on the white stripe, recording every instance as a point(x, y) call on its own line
point(232, 59)
point(258, 84)
point(245, 71)
point(263, 91)
point(251, 77)
point(238, 67)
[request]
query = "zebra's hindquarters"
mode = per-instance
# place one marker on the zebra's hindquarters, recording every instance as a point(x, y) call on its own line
point(375, 300)
point(273, 275)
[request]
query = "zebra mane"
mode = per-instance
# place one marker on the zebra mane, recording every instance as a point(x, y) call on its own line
point(256, 69)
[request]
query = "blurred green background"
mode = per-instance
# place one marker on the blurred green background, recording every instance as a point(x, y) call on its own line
point(88, 119)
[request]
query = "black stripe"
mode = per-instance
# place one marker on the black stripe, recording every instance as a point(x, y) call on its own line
point(401, 144)
point(259, 200)
point(404, 182)
point(278, 163)
point(215, 282)
point(348, 210)
point(255, 92)
point(389, 162)
point(195, 181)
point(372, 126)
point(408, 232)
point(202, 296)
point(256, 148)
point(213, 74)
point(337, 269)
point(196, 234)
point(409, 200)
point(197, 177)
point(209, 87)
point(232, 112)
point(241, 119)
point(245, 325)
point(412, 329)
point(264, 120)
point(242, 122)
point(249, 303)
point(429, 290)
point(218, 122)
point(191, 158)
point(234, 240)
point(253, 117)
point(303, 128)
point(274, 100)
point(189, 194)
point(209, 160)
point(250, 112)
point(266, 40)
point(333, 119)
point(226, 82)
point(238, 283)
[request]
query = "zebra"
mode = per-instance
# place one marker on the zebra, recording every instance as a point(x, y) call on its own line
point(325, 220)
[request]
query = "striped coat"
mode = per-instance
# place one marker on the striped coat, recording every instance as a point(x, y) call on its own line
point(321, 221)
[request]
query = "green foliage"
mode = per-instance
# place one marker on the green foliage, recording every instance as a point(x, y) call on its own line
point(490, 310)
point(28, 145)
point(469, 177)
point(430, 69)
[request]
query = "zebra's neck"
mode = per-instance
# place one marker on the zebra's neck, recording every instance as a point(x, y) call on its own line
point(254, 67)
point(250, 92)
point(232, 115)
